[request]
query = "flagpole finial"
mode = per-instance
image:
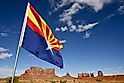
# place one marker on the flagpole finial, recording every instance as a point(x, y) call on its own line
point(28, 3)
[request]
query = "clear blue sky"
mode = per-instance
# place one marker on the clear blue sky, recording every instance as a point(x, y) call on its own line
point(93, 33)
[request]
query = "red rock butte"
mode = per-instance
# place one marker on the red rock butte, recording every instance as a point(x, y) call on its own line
point(36, 72)
point(39, 75)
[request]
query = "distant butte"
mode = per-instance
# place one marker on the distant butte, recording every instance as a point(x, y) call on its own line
point(36, 72)
point(39, 75)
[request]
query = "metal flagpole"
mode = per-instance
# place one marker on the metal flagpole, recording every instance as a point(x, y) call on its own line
point(20, 43)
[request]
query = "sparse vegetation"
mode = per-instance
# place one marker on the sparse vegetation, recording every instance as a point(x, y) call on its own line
point(53, 81)
point(63, 81)
point(16, 79)
point(99, 81)
point(74, 81)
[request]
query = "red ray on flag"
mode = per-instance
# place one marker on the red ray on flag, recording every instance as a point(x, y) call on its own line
point(39, 39)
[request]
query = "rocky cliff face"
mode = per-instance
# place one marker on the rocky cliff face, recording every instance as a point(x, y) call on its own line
point(100, 73)
point(36, 72)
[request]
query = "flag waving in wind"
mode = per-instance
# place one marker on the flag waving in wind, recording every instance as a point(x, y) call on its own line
point(39, 40)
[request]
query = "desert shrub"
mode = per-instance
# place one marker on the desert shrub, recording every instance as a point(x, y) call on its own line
point(16, 79)
point(63, 81)
point(53, 81)
point(99, 81)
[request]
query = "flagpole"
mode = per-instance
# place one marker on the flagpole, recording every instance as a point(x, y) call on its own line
point(20, 43)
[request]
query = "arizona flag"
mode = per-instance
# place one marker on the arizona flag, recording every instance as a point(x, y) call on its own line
point(39, 40)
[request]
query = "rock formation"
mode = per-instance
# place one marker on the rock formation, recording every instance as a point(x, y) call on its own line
point(67, 76)
point(100, 73)
point(81, 75)
point(39, 75)
point(36, 72)
point(91, 74)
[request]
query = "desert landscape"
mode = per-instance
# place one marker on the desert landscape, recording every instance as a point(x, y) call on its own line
point(39, 75)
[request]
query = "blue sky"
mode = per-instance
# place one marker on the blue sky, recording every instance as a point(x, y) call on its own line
point(92, 33)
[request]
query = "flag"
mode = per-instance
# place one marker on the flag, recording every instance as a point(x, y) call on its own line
point(39, 40)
